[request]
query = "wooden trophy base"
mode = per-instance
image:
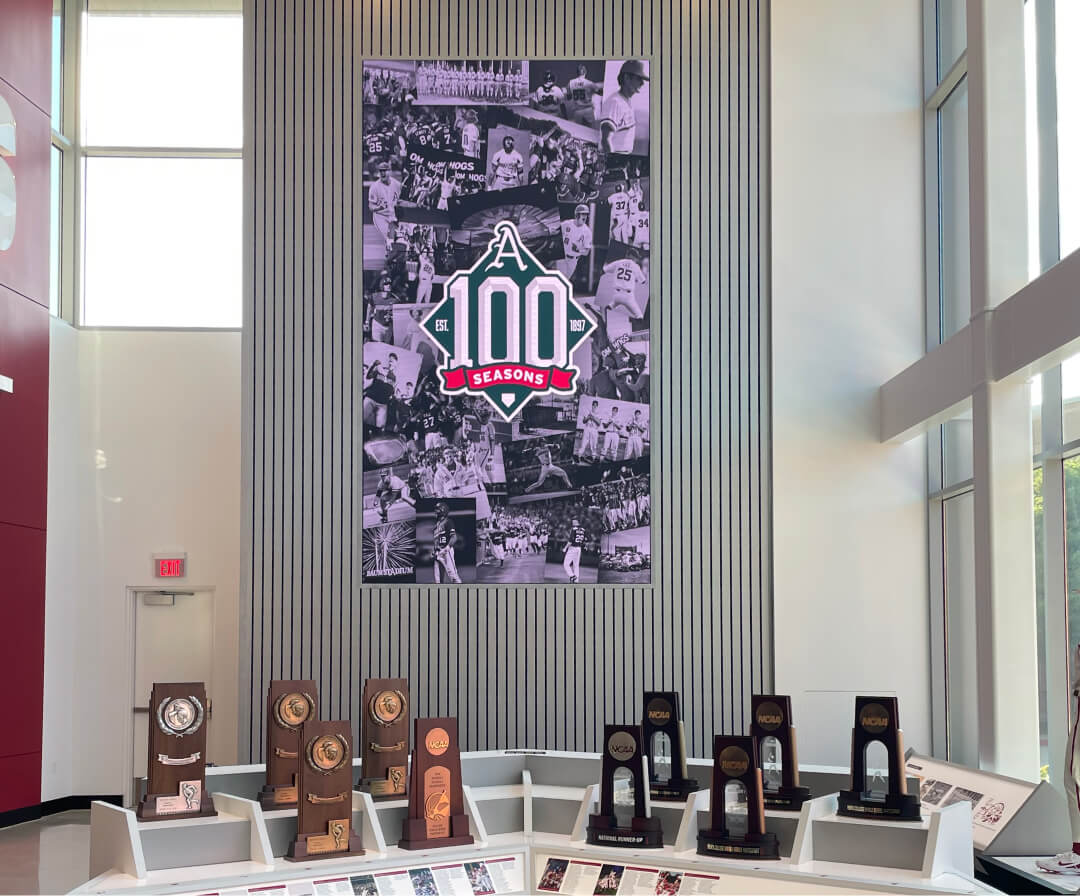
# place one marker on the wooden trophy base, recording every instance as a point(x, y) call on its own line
point(882, 807)
point(150, 808)
point(786, 799)
point(414, 834)
point(308, 847)
point(382, 789)
point(643, 833)
point(751, 846)
point(673, 789)
point(278, 796)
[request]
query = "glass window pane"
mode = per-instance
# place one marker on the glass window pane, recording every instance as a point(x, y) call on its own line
point(1031, 128)
point(1072, 549)
point(1036, 415)
point(57, 64)
point(1070, 398)
point(959, 463)
point(954, 234)
point(1067, 33)
point(55, 173)
point(163, 242)
point(951, 32)
point(961, 681)
point(163, 80)
point(1040, 615)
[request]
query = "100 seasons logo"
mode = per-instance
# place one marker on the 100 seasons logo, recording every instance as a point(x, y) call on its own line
point(508, 327)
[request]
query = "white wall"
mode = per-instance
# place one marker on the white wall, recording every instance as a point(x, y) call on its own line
point(67, 579)
point(850, 546)
point(144, 457)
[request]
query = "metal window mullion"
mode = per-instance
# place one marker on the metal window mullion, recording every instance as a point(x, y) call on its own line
point(930, 64)
point(1055, 597)
point(160, 152)
point(939, 705)
point(963, 487)
point(948, 84)
point(1047, 116)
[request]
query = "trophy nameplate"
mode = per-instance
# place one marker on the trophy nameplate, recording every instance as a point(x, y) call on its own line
point(176, 762)
point(770, 716)
point(878, 719)
point(436, 802)
point(624, 748)
point(289, 704)
point(663, 718)
point(735, 759)
point(324, 808)
point(384, 738)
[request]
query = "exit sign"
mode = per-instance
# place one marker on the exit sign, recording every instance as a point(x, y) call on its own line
point(170, 566)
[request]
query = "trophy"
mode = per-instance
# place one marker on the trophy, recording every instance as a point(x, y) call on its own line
point(176, 764)
point(384, 738)
point(623, 749)
point(324, 811)
point(735, 758)
point(663, 725)
point(877, 719)
point(771, 717)
point(288, 705)
point(436, 803)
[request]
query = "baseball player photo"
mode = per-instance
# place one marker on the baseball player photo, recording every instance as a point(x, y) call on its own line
point(506, 168)
point(619, 113)
point(383, 196)
point(445, 541)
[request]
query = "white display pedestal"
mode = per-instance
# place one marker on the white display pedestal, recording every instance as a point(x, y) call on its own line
point(527, 809)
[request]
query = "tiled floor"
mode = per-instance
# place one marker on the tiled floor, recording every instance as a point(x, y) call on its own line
point(47, 856)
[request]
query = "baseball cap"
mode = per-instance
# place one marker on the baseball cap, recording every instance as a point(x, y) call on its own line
point(384, 166)
point(633, 67)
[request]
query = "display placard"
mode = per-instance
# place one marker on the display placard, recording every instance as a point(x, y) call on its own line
point(506, 321)
point(995, 800)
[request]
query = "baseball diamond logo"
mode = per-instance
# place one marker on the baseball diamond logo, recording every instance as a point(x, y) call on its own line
point(508, 327)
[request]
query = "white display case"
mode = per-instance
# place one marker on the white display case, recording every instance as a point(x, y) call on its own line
point(528, 811)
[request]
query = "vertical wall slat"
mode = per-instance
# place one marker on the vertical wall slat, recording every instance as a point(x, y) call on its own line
point(532, 665)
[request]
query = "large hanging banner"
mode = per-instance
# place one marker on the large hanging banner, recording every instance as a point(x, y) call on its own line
point(506, 321)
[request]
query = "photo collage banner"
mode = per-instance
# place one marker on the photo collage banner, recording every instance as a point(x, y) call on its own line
point(506, 322)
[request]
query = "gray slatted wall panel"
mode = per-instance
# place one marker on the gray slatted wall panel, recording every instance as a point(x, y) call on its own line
point(520, 666)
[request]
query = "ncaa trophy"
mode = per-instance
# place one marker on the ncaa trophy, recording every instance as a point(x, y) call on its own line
point(662, 726)
point(384, 738)
point(324, 828)
point(288, 705)
point(176, 764)
point(877, 719)
point(735, 759)
point(770, 716)
point(623, 749)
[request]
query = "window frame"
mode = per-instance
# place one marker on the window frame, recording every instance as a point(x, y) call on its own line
point(75, 153)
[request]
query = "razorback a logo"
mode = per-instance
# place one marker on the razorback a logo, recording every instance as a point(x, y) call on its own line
point(508, 327)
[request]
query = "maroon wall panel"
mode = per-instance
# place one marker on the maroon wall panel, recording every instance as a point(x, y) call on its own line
point(22, 781)
point(24, 267)
point(24, 413)
point(22, 574)
point(25, 76)
point(26, 48)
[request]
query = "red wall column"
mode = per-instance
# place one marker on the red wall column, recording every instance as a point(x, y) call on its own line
point(25, 80)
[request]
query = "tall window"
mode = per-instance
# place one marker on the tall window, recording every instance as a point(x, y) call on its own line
point(159, 162)
point(1041, 43)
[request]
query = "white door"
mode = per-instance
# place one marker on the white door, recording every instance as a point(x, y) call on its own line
point(174, 641)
